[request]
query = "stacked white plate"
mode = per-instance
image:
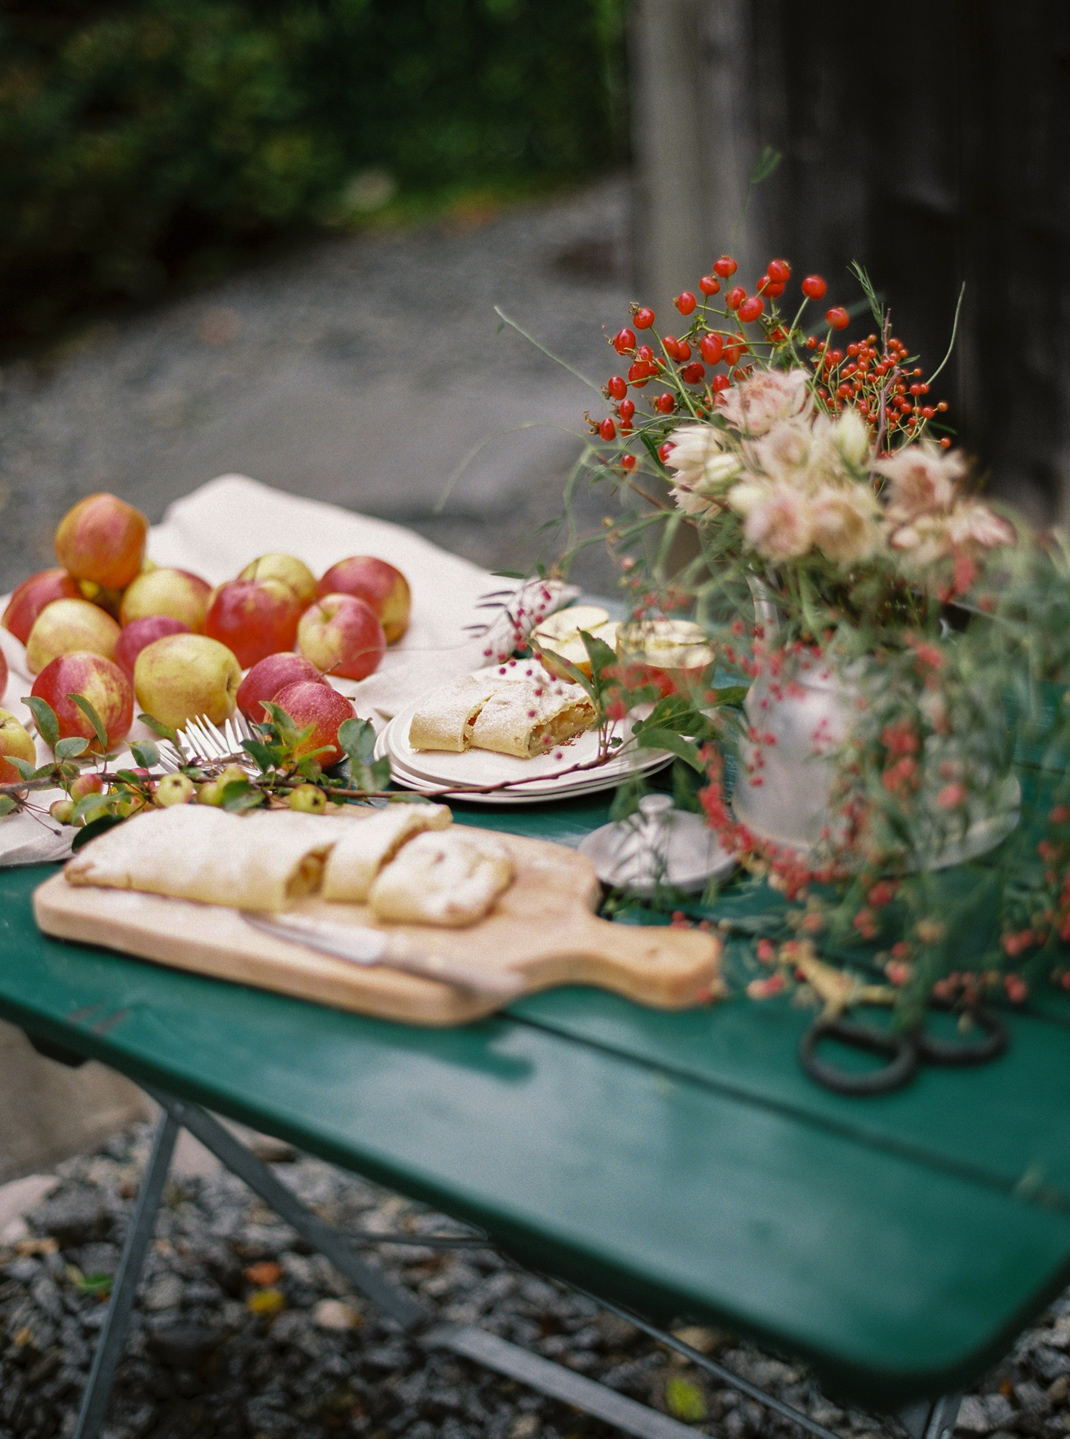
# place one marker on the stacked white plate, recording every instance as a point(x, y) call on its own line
point(546, 776)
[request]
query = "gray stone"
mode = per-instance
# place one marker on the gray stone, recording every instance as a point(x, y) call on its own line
point(983, 1413)
point(182, 1346)
point(1050, 1363)
point(73, 1217)
point(165, 1292)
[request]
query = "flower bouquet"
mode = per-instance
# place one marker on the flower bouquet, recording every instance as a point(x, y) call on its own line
point(797, 495)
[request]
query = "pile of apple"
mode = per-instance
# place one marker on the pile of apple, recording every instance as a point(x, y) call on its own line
point(111, 626)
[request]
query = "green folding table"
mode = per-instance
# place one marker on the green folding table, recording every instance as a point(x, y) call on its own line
point(676, 1165)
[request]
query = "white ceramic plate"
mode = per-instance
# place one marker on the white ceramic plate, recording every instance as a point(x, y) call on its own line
point(548, 777)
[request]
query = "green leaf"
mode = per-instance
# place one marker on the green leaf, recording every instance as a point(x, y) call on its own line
point(684, 1400)
point(25, 768)
point(146, 753)
point(380, 774)
point(71, 747)
point(7, 804)
point(571, 672)
point(283, 724)
point(267, 756)
point(88, 806)
point(599, 653)
point(158, 727)
point(45, 715)
point(239, 795)
point(94, 719)
point(653, 737)
point(767, 162)
point(357, 738)
point(97, 826)
point(733, 695)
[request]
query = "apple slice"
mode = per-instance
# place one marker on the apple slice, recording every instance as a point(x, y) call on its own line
point(559, 635)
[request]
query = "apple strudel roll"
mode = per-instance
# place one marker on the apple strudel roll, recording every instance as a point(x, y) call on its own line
point(359, 855)
point(262, 861)
point(526, 719)
point(445, 717)
point(451, 877)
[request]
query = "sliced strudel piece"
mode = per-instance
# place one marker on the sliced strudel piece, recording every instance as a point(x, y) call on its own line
point(190, 851)
point(359, 855)
point(452, 877)
point(444, 719)
point(526, 719)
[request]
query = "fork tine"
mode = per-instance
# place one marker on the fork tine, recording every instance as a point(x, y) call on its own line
point(230, 729)
point(207, 742)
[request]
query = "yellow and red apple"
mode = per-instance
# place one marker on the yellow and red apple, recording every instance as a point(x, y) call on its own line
point(102, 538)
point(177, 593)
point(32, 595)
point(253, 618)
point(138, 633)
point(310, 702)
point(378, 584)
point(287, 568)
point(181, 676)
point(270, 675)
point(15, 739)
point(342, 636)
point(101, 682)
point(65, 626)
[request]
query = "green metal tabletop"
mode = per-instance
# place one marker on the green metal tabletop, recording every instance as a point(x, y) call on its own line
point(679, 1163)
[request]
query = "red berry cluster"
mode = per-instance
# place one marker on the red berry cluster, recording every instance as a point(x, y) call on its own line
point(878, 380)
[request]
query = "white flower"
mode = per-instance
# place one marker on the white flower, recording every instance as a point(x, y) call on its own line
point(693, 503)
point(694, 447)
point(784, 453)
point(850, 434)
point(973, 525)
point(779, 520)
point(718, 471)
point(922, 480)
point(846, 523)
point(970, 526)
point(764, 399)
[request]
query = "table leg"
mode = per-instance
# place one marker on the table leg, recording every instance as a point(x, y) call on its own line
point(113, 1331)
point(932, 1418)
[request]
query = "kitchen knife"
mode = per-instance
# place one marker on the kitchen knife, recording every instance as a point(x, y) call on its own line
point(363, 945)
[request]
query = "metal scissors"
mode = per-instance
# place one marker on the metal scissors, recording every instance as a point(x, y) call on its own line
point(903, 1050)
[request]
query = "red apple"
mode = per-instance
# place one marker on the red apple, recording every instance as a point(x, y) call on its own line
point(15, 739)
point(102, 538)
point(171, 592)
point(270, 675)
point(342, 635)
point(311, 702)
point(135, 636)
point(254, 618)
point(102, 683)
point(65, 626)
point(31, 597)
point(3, 674)
point(287, 568)
point(376, 583)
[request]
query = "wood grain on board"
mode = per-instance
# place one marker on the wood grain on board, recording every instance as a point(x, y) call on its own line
point(542, 927)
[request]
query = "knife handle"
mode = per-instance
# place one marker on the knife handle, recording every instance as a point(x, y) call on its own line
point(502, 983)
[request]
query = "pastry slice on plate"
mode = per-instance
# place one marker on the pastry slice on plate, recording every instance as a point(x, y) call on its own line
point(359, 855)
point(263, 860)
point(526, 719)
point(444, 718)
point(451, 877)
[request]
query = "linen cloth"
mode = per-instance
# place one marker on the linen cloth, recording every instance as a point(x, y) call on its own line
point(218, 529)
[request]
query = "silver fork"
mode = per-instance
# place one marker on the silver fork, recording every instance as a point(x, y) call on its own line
point(204, 744)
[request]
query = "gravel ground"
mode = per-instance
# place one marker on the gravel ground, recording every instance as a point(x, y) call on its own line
point(360, 370)
point(241, 1333)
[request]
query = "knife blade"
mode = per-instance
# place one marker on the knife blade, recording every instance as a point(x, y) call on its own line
point(360, 944)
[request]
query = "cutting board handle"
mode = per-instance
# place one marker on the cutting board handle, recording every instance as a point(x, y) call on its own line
point(653, 964)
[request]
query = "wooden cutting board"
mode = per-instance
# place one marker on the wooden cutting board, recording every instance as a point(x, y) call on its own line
point(541, 927)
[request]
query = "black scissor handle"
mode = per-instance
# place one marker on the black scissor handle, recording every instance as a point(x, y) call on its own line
point(899, 1049)
point(934, 1050)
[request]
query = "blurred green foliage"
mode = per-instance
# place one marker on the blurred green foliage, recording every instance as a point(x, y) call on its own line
point(148, 141)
